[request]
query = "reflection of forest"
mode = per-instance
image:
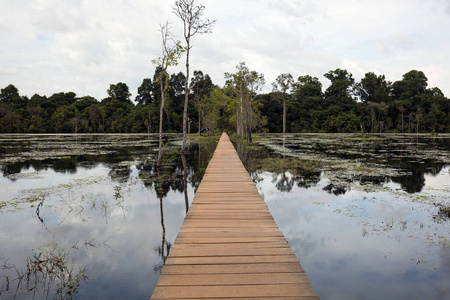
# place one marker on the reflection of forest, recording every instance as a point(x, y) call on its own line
point(397, 152)
point(176, 170)
point(289, 171)
point(50, 267)
point(172, 174)
point(415, 182)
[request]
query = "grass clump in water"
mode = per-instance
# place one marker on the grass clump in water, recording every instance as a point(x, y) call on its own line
point(295, 166)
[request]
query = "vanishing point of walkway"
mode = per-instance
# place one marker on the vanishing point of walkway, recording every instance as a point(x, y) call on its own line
point(229, 246)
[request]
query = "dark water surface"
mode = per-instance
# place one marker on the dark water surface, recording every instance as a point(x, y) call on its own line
point(90, 217)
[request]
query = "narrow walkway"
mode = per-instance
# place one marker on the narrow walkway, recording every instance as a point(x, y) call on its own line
point(229, 246)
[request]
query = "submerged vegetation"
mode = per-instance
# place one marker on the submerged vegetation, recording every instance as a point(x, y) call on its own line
point(83, 215)
point(84, 207)
point(50, 266)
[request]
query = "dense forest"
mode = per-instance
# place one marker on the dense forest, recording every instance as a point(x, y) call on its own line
point(373, 105)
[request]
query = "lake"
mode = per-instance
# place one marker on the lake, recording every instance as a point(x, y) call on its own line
point(92, 217)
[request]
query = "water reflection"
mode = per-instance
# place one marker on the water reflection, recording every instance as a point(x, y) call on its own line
point(284, 182)
point(116, 207)
point(351, 244)
point(415, 181)
point(113, 206)
point(336, 190)
point(50, 267)
point(354, 159)
point(120, 173)
point(358, 231)
point(164, 249)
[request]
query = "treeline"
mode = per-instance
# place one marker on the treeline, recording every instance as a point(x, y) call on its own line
point(373, 105)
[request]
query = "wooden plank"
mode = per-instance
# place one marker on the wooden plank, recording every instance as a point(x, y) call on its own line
point(228, 224)
point(221, 260)
point(233, 213)
point(235, 240)
point(218, 217)
point(247, 298)
point(231, 279)
point(239, 268)
point(222, 234)
point(229, 246)
point(255, 208)
point(244, 246)
point(237, 291)
point(236, 251)
point(268, 230)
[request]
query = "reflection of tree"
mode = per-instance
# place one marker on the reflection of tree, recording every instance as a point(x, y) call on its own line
point(177, 171)
point(415, 182)
point(307, 179)
point(11, 169)
point(198, 160)
point(335, 189)
point(120, 173)
point(284, 182)
point(164, 249)
point(185, 171)
point(173, 174)
point(66, 165)
point(411, 183)
point(49, 267)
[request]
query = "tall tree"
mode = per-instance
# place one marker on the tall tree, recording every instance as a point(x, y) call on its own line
point(341, 83)
point(191, 14)
point(10, 95)
point(238, 81)
point(120, 92)
point(201, 85)
point(306, 103)
point(373, 88)
point(170, 56)
point(283, 83)
point(245, 84)
point(307, 86)
point(145, 95)
point(413, 84)
point(256, 82)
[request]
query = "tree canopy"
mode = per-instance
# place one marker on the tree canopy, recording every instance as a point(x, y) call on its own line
point(372, 105)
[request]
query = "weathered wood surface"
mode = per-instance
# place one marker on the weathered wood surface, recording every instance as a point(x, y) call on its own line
point(229, 246)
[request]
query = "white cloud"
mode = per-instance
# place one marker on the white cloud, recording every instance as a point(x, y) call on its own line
point(51, 46)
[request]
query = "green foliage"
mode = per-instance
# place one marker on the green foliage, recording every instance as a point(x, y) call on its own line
point(373, 88)
point(341, 84)
point(406, 106)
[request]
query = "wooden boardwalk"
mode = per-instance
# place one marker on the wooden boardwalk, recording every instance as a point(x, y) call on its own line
point(229, 246)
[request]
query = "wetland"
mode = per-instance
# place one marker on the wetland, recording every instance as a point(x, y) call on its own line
point(83, 215)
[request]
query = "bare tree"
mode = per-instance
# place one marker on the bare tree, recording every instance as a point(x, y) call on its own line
point(170, 56)
point(191, 14)
point(283, 83)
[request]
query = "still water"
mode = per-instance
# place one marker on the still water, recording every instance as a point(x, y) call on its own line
point(90, 217)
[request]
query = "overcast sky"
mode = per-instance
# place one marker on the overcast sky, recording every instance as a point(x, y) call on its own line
point(50, 46)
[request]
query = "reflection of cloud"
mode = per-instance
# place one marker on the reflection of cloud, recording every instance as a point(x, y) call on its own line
point(439, 181)
point(121, 257)
point(340, 261)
